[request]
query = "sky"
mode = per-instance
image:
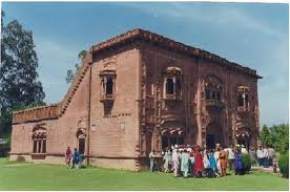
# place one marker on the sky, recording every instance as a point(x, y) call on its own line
point(252, 34)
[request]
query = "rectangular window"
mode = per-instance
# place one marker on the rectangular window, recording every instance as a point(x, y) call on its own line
point(43, 146)
point(39, 146)
point(169, 86)
point(34, 146)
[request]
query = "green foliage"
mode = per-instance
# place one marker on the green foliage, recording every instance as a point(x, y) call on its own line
point(26, 176)
point(265, 136)
point(276, 136)
point(71, 73)
point(19, 85)
point(284, 164)
point(246, 161)
point(280, 137)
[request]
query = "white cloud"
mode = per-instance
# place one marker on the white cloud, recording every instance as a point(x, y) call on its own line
point(217, 15)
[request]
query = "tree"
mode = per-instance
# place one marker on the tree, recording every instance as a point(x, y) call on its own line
point(19, 84)
point(280, 137)
point(71, 73)
point(276, 136)
point(265, 136)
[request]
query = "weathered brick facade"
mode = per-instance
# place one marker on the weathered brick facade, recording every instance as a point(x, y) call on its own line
point(139, 91)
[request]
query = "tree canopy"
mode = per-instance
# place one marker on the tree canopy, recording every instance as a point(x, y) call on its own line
point(19, 84)
point(276, 136)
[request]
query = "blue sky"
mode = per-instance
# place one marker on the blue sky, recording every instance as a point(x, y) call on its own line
point(254, 35)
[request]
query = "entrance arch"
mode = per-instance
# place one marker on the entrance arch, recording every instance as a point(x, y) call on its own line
point(214, 134)
point(243, 136)
point(81, 138)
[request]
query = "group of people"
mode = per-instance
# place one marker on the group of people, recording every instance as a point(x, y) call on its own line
point(198, 162)
point(263, 156)
point(74, 159)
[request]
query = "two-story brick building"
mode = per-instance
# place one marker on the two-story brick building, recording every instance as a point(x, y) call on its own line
point(140, 91)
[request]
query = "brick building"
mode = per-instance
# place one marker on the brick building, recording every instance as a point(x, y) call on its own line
point(140, 91)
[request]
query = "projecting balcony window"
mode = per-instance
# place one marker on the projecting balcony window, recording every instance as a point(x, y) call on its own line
point(108, 79)
point(108, 90)
point(213, 91)
point(169, 86)
point(172, 84)
point(243, 99)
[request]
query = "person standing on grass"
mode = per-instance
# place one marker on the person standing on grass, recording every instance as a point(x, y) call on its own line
point(81, 162)
point(271, 152)
point(238, 162)
point(198, 165)
point(223, 161)
point(253, 155)
point(167, 160)
point(231, 157)
point(266, 156)
point(76, 158)
point(68, 156)
point(152, 157)
point(185, 162)
point(216, 156)
point(191, 162)
point(175, 160)
point(260, 156)
point(212, 162)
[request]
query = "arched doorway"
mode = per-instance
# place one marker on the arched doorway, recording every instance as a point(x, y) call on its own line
point(171, 137)
point(81, 137)
point(243, 136)
point(214, 134)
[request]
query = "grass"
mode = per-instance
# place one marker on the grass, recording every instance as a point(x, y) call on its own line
point(28, 176)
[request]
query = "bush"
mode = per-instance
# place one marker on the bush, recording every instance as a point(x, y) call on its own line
point(284, 164)
point(246, 161)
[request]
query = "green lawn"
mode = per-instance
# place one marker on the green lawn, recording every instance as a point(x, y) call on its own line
point(26, 176)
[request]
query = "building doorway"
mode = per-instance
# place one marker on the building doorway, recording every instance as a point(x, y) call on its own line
point(81, 139)
point(210, 141)
point(245, 141)
point(82, 144)
point(214, 135)
point(169, 140)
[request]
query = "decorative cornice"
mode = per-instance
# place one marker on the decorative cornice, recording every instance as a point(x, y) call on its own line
point(166, 43)
point(36, 114)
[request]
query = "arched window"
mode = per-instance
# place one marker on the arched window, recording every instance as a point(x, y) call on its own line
point(39, 137)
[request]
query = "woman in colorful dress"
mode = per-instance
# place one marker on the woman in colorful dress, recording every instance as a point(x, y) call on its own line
point(212, 162)
point(198, 165)
point(68, 156)
point(175, 160)
point(223, 161)
point(238, 162)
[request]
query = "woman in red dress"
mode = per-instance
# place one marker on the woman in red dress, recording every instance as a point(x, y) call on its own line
point(68, 156)
point(198, 164)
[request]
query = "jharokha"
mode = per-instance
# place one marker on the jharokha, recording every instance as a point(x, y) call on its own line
point(137, 92)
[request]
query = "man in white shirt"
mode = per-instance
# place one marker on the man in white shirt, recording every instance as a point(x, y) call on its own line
point(152, 157)
point(231, 157)
point(266, 156)
point(260, 156)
